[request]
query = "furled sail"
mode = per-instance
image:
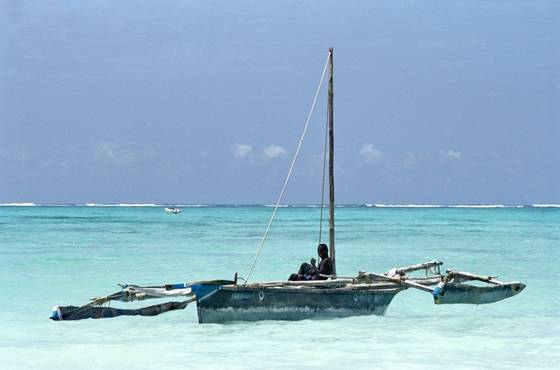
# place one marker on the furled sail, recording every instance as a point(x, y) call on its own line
point(97, 308)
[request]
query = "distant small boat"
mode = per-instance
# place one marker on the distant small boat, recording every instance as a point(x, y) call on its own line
point(172, 210)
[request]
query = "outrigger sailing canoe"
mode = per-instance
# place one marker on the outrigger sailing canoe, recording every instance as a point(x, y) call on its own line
point(364, 294)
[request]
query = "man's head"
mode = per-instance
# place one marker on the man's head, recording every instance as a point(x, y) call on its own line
point(323, 250)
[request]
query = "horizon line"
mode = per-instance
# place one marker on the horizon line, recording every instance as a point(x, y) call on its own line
point(293, 205)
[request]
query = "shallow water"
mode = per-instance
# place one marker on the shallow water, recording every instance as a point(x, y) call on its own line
point(64, 255)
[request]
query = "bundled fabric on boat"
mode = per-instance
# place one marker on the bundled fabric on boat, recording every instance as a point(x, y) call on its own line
point(80, 313)
point(129, 293)
point(176, 290)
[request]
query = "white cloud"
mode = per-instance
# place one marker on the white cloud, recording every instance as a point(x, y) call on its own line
point(18, 155)
point(450, 154)
point(241, 150)
point(274, 151)
point(410, 160)
point(114, 153)
point(370, 154)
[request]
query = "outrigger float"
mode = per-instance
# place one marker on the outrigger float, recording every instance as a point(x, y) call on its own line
point(367, 293)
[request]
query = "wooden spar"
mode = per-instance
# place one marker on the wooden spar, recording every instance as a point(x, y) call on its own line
point(419, 266)
point(330, 119)
point(459, 276)
point(399, 281)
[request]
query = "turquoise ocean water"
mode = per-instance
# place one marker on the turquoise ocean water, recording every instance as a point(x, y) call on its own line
point(67, 254)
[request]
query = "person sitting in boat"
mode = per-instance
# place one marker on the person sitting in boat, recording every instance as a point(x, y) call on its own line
point(308, 271)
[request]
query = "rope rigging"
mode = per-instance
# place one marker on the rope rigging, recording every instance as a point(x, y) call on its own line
point(296, 155)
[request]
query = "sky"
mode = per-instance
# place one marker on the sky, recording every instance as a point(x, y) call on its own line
point(204, 102)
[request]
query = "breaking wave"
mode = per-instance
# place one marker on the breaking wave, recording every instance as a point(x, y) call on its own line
point(121, 205)
point(18, 204)
point(480, 206)
point(406, 205)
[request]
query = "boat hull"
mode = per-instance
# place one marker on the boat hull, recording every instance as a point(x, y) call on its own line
point(464, 293)
point(240, 303)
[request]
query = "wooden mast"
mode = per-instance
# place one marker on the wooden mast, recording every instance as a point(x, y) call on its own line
point(331, 162)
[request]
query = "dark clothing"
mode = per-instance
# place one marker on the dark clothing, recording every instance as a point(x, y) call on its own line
point(307, 269)
point(325, 266)
point(310, 272)
point(306, 272)
point(294, 277)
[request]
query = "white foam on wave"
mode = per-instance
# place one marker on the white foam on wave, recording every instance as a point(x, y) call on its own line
point(444, 206)
point(477, 206)
point(123, 205)
point(546, 205)
point(406, 205)
point(18, 205)
point(138, 205)
point(484, 206)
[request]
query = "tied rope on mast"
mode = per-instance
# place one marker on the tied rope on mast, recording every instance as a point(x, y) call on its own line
point(296, 155)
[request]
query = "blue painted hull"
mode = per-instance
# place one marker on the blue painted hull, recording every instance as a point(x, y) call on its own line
point(246, 303)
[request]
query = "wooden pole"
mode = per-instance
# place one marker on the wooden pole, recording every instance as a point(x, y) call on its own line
point(330, 117)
